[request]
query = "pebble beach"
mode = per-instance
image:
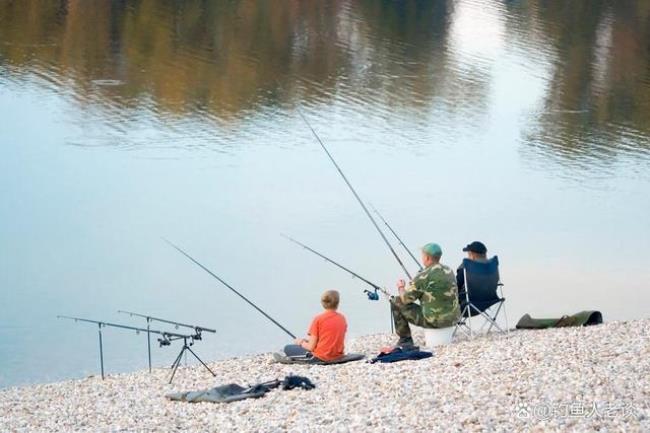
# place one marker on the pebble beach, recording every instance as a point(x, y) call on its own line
point(571, 379)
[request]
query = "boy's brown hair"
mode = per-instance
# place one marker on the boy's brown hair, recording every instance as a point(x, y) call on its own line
point(330, 299)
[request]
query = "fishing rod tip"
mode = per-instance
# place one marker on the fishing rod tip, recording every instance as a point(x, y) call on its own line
point(287, 237)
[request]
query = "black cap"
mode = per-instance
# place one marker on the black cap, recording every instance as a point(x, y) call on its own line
point(476, 247)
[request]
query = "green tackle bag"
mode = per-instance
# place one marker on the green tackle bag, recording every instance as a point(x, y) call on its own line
point(583, 318)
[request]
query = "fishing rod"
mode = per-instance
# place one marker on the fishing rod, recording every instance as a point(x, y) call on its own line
point(374, 223)
point(397, 237)
point(165, 340)
point(197, 329)
point(275, 322)
point(373, 296)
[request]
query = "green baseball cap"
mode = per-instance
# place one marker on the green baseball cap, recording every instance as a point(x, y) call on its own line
point(432, 249)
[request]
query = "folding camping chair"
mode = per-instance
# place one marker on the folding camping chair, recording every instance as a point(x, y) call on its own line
point(479, 295)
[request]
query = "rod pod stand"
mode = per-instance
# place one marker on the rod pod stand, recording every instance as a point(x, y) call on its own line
point(179, 358)
point(197, 329)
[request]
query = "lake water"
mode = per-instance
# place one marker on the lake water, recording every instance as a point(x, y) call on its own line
point(524, 124)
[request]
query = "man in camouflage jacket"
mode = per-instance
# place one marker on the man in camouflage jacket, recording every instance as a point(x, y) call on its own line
point(435, 288)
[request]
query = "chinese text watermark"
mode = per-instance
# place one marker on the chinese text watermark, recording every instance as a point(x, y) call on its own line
point(576, 409)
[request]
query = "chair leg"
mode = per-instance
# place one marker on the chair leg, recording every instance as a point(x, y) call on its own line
point(505, 315)
point(493, 320)
point(463, 328)
point(469, 320)
point(485, 323)
point(469, 316)
point(459, 326)
point(462, 323)
point(487, 318)
point(493, 323)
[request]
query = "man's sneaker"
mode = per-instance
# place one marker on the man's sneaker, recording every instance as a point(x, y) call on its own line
point(405, 341)
point(406, 344)
point(281, 358)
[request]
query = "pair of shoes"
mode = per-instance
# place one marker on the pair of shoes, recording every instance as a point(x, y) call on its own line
point(405, 341)
point(406, 344)
point(280, 357)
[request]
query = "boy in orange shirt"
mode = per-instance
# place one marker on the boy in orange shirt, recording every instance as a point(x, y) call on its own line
point(326, 337)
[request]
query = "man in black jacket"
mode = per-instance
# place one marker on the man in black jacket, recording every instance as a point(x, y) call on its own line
point(475, 251)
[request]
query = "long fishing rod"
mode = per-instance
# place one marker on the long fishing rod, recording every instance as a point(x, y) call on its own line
point(374, 223)
point(397, 237)
point(197, 329)
point(373, 296)
point(171, 322)
point(275, 322)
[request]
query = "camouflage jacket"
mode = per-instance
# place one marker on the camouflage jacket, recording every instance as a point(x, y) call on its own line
point(435, 288)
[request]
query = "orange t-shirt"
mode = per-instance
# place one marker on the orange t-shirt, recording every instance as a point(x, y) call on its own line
point(329, 329)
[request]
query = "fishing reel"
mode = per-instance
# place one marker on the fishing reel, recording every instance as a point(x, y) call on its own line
point(372, 296)
point(164, 341)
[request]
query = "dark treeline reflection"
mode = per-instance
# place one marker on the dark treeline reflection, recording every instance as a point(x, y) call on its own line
point(598, 96)
point(220, 59)
point(224, 57)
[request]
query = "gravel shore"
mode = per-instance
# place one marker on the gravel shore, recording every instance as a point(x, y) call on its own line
point(571, 379)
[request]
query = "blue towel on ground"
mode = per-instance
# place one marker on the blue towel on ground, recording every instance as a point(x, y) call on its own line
point(398, 354)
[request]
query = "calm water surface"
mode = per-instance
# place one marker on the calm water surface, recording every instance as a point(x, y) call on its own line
point(524, 124)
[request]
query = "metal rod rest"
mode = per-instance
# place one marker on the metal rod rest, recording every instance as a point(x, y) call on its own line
point(167, 338)
point(131, 328)
point(149, 343)
point(101, 349)
point(178, 359)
